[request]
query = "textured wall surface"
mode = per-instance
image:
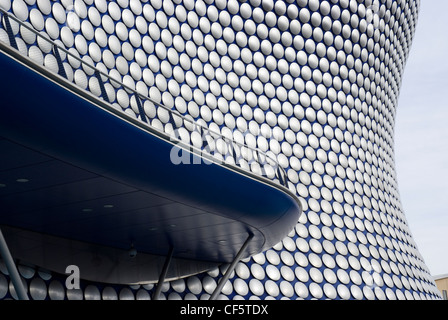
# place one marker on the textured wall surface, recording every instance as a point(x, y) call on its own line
point(314, 83)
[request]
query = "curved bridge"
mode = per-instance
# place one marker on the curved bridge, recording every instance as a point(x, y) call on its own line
point(83, 183)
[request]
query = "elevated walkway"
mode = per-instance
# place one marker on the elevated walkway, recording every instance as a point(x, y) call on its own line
point(82, 183)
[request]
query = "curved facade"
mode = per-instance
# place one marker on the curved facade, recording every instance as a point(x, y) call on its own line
point(313, 83)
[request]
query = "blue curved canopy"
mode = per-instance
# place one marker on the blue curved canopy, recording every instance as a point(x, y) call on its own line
point(73, 167)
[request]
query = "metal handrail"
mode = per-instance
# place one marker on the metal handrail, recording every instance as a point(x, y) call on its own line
point(256, 152)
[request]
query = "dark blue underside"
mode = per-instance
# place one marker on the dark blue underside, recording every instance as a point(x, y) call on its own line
point(46, 117)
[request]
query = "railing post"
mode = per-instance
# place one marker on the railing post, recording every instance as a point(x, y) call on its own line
point(233, 152)
point(9, 31)
point(280, 177)
point(61, 70)
point(102, 88)
point(206, 145)
point(141, 110)
point(171, 120)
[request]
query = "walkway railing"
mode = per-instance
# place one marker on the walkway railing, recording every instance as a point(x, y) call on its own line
point(183, 130)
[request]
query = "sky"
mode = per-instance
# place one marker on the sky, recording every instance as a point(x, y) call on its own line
point(421, 136)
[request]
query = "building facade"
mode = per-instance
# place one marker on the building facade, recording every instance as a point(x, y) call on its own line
point(313, 83)
point(442, 285)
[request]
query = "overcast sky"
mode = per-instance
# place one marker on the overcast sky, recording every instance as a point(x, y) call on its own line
point(421, 136)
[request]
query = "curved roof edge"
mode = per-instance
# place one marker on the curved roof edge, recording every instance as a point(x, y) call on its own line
point(48, 115)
